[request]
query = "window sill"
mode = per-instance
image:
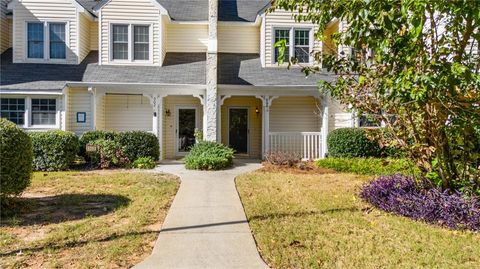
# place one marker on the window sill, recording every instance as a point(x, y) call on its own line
point(45, 61)
point(40, 127)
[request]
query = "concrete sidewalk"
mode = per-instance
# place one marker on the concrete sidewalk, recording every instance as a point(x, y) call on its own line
point(206, 226)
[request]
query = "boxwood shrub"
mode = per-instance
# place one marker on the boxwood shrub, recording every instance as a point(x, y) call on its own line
point(402, 195)
point(207, 155)
point(352, 142)
point(90, 136)
point(53, 150)
point(137, 144)
point(16, 158)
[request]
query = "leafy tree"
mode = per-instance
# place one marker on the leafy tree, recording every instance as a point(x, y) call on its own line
point(414, 65)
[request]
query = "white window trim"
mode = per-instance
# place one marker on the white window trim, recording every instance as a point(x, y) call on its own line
point(291, 48)
point(27, 123)
point(130, 59)
point(44, 126)
point(46, 42)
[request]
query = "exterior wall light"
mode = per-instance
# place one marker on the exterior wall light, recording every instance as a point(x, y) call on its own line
point(168, 113)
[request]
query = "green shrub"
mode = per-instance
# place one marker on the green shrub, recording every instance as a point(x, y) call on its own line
point(16, 158)
point(352, 142)
point(137, 144)
point(53, 150)
point(144, 163)
point(91, 136)
point(109, 153)
point(207, 155)
point(369, 166)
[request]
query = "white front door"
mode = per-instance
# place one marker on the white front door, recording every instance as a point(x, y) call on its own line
point(186, 122)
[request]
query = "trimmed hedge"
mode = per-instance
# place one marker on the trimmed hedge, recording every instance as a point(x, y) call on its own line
point(207, 155)
point(90, 136)
point(401, 195)
point(137, 144)
point(352, 142)
point(369, 166)
point(53, 150)
point(16, 158)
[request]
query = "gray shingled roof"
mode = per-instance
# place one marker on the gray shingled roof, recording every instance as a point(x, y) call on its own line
point(36, 77)
point(197, 10)
point(91, 5)
point(228, 10)
point(178, 68)
point(246, 69)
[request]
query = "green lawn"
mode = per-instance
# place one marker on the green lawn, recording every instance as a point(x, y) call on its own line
point(369, 166)
point(100, 219)
point(317, 221)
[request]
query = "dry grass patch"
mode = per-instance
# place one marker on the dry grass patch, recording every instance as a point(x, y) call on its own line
point(316, 221)
point(101, 219)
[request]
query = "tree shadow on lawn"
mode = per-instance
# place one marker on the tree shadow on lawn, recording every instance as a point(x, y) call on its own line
point(26, 211)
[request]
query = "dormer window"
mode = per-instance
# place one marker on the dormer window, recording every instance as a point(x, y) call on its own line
point(301, 47)
point(131, 43)
point(46, 40)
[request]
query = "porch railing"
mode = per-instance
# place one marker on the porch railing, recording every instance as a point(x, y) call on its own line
point(307, 145)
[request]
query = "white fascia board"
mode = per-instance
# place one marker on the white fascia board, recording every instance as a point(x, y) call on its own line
point(240, 90)
point(136, 86)
point(17, 92)
point(163, 11)
point(241, 23)
point(188, 22)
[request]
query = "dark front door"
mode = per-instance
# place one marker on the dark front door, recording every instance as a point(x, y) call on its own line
point(238, 132)
point(186, 129)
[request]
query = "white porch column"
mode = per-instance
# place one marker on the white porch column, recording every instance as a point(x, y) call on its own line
point(211, 98)
point(157, 118)
point(93, 105)
point(64, 110)
point(325, 117)
point(266, 103)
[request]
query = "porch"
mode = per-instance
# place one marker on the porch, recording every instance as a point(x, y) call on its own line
point(251, 124)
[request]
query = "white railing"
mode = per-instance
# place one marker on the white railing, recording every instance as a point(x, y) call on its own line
point(307, 145)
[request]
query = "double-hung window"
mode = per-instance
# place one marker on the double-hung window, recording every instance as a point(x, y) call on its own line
point(131, 42)
point(283, 34)
point(13, 109)
point(120, 42)
point(35, 36)
point(46, 40)
point(44, 111)
point(302, 45)
point(298, 44)
point(57, 40)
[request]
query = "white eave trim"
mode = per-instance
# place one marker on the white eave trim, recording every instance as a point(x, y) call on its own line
point(163, 11)
point(275, 87)
point(33, 92)
point(134, 85)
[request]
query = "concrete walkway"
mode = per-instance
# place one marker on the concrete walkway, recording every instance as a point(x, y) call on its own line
point(206, 226)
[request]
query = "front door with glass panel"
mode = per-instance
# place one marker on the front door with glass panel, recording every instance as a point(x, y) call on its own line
point(238, 130)
point(186, 118)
